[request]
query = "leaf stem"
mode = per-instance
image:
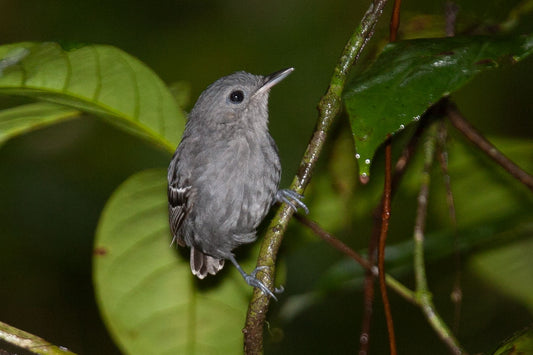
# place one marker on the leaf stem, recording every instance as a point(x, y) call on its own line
point(394, 284)
point(387, 196)
point(328, 108)
point(395, 21)
point(399, 170)
point(442, 155)
point(377, 236)
point(385, 217)
point(458, 120)
point(424, 296)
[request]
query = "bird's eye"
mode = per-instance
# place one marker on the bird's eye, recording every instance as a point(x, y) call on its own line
point(236, 96)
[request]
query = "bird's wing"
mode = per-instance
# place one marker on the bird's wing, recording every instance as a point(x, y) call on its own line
point(177, 203)
point(179, 192)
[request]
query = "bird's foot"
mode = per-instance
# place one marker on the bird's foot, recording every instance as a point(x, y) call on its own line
point(252, 280)
point(291, 198)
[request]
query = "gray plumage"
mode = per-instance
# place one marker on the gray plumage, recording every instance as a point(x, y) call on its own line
point(224, 175)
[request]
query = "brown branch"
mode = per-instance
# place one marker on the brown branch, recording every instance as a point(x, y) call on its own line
point(399, 170)
point(395, 285)
point(368, 303)
point(459, 122)
point(387, 195)
point(385, 216)
point(442, 156)
point(401, 164)
point(450, 15)
point(329, 107)
point(334, 242)
point(395, 21)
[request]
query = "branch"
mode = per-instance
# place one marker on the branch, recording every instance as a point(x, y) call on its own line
point(379, 232)
point(442, 155)
point(334, 242)
point(399, 170)
point(422, 291)
point(30, 342)
point(387, 196)
point(329, 107)
point(451, 10)
point(395, 21)
point(385, 216)
point(457, 119)
point(394, 284)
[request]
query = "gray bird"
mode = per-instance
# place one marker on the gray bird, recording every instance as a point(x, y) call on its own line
point(224, 175)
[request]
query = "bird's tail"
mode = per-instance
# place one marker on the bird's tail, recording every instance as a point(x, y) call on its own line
point(203, 264)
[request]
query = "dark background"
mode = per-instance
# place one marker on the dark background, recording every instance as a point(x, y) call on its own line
point(54, 182)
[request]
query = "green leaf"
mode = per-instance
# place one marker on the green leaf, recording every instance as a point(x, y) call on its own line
point(99, 79)
point(25, 118)
point(519, 344)
point(509, 269)
point(410, 76)
point(150, 301)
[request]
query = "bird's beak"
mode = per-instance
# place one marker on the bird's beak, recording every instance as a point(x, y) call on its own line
point(273, 79)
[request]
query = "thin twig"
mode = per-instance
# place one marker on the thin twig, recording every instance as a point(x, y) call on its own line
point(368, 303)
point(423, 294)
point(329, 107)
point(421, 213)
point(401, 164)
point(387, 196)
point(399, 170)
point(450, 14)
point(457, 293)
point(385, 216)
point(395, 21)
point(459, 122)
point(30, 342)
point(394, 284)
point(336, 243)
point(368, 295)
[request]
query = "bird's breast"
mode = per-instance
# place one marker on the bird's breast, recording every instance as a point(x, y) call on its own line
point(249, 175)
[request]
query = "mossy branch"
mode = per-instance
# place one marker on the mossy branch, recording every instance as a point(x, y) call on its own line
point(424, 297)
point(30, 342)
point(328, 108)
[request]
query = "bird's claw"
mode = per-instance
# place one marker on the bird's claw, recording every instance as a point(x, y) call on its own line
point(292, 199)
point(252, 280)
point(257, 269)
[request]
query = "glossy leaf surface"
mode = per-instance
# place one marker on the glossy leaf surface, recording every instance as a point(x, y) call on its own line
point(410, 76)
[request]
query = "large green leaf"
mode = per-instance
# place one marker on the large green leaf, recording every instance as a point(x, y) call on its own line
point(22, 119)
point(99, 79)
point(150, 301)
point(410, 76)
